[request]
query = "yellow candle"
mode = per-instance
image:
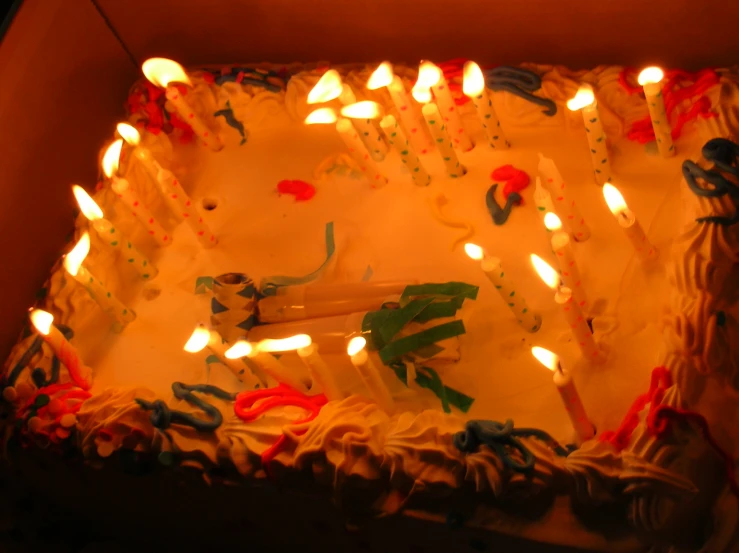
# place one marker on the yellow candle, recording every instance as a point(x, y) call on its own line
point(628, 222)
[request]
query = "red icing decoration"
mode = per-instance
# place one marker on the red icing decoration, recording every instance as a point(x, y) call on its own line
point(453, 69)
point(209, 77)
point(678, 86)
point(302, 190)
point(658, 419)
point(282, 395)
point(240, 77)
point(515, 179)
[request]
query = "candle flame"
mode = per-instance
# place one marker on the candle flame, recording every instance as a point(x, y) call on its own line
point(545, 357)
point(112, 157)
point(545, 271)
point(614, 199)
point(73, 260)
point(583, 98)
point(128, 133)
point(356, 345)
point(362, 110)
point(321, 116)
point(421, 94)
point(387, 122)
point(428, 75)
point(285, 344)
point(89, 208)
point(41, 320)
point(473, 80)
point(161, 72)
point(552, 222)
point(327, 88)
point(241, 348)
point(198, 340)
point(650, 75)
point(474, 251)
point(382, 76)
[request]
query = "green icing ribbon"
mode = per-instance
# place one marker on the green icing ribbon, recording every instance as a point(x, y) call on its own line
point(203, 284)
point(408, 344)
point(453, 289)
point(428, 378)
point(269, 285)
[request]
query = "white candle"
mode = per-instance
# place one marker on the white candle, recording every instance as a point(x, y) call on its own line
point(202, 338)
point(566, 260)
point(567, 391)
point(573, 314)
point(359, 153)
point(564, 203)
point(260, 355)
point(651, 79)
point(430, 76)
point(627, 221)
point(442, 139)
point(362, 115)
point(168, 74)
point(80, 374)
point(122, 188)
point(369, 374)
point(543, 200)
point(408, 155)
point(110, 235)
point(473, 87)
point(585, 101)
point(320, 372)
point(408, 112)
point(107, 301)
point(510, 294)
point(187, 209)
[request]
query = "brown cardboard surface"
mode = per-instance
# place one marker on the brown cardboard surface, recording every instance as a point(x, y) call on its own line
point(577, 33)
point(63, 78)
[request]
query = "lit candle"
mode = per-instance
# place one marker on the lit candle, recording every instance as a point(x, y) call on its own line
point(408, 155)
point(439, 133)
point(627, 220)
point(111, 237)
point(567, 391)
point(370, 375)
point(430, 76)
point(565, 205)
point(319, 371)
point(329, 87)
point(573, 314)
point(122, 188)
point(80, 374)
point(408, 112)
point(491, 266)
point(260, 355)
point(132, 137)
point(585, 101)
point(566, 259)
point(355, 146)
point(362, 114)
point(473, 87)
point(168, 74)
point(651, 79)
point(107, 301)
point(202, 338)
point(186, 208)
point(543, 200)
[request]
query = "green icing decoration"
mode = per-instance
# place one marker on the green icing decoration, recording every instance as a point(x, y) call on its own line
point(212, 359)
point(407, 344)
point(428, 378)
point(203, 284)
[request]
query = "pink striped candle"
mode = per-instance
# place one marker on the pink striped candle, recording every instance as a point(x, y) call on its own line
point(564, 203)
point(566, 259)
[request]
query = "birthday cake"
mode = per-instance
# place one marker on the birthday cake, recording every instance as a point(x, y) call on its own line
point(451, 307)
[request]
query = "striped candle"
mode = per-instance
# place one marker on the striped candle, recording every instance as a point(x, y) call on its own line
point(651, 79)
point(585, 101)
point(493, 269)
point(543, 200)
point(474, 87)
point(564, 204)
point(187, 208)
point(566, 260)
point(578, 325)
point(398, 139)
point(359, 152)
point(446, 104)
point(442, 140)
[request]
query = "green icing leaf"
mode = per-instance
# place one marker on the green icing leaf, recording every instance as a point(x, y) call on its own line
point(400, 317)
point(407, 344)
point(212, 359)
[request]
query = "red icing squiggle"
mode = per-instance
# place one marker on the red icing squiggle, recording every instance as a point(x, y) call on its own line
point(515, 179)
point(302, 190)
point(679, 86)
point(280, 396)
point(658, 421)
